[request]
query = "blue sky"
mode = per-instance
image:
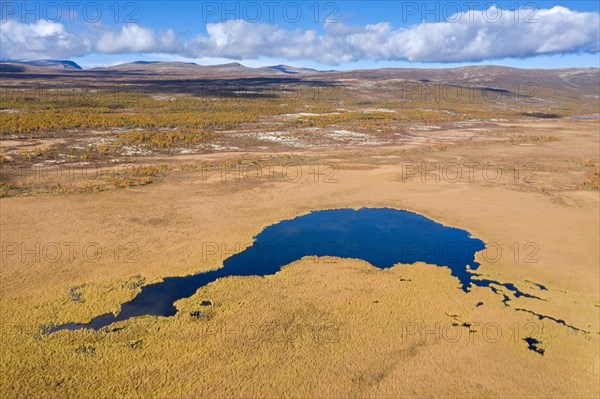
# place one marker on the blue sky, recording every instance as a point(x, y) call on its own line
point(189, 15)
point(358, 34)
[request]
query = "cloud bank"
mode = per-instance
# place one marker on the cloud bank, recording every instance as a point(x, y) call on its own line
point(475, 36)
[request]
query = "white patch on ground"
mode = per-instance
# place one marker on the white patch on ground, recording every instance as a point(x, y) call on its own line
point(424, 128)
point(347, 134)
point(353, 137)
point(301, 114)
point(47, 162)
point(378, 110)
point(129, 150)
point(281, 138)
point(80, 164)
point(121, 130)
point(218, 147)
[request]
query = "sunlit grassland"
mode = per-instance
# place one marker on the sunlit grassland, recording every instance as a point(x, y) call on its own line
point(102, 126)
point(189, 120)
point(130, 110)
point(45, 111)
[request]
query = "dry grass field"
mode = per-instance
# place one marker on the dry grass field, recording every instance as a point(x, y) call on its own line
point(101, 197)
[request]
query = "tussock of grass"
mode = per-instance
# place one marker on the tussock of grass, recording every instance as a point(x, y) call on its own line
point(525, 138)
point(593, 182)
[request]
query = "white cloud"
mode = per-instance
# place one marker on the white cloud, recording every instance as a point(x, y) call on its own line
point(474, 36)
point(42, 39)
point(134, 38)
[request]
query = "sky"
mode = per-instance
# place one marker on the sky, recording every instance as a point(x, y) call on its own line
point(324, 35)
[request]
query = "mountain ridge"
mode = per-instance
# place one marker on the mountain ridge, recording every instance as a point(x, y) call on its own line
point(282, 68)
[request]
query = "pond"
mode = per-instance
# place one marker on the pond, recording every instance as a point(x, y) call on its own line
point(383, 237)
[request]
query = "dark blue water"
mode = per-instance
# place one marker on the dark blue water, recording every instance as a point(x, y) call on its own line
point(382, 237)
point(534, 345)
